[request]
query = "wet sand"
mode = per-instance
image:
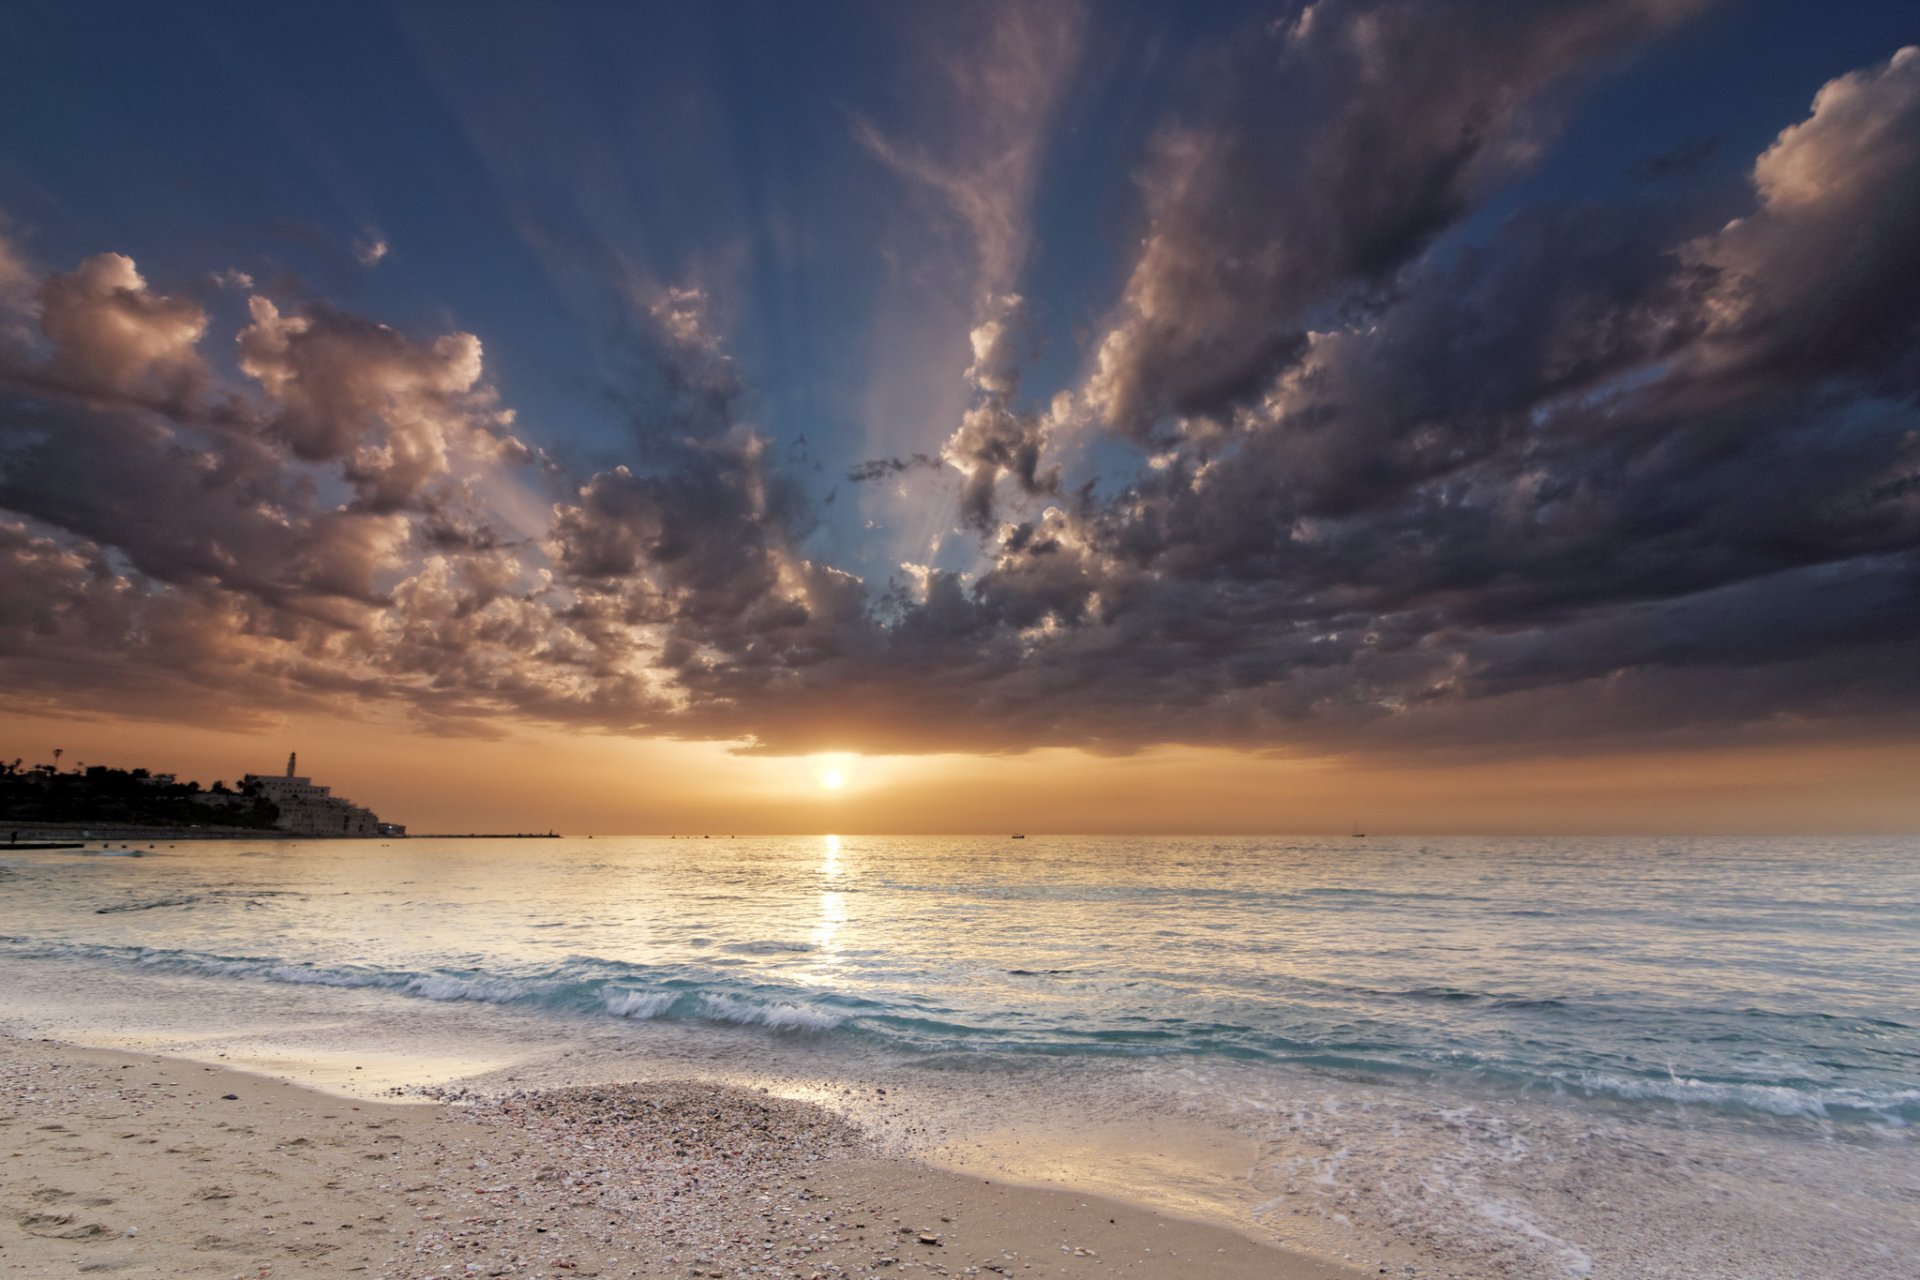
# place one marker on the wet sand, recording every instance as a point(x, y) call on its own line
point(138, 1165)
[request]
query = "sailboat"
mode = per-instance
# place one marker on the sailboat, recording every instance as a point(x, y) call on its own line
point(1358, 834)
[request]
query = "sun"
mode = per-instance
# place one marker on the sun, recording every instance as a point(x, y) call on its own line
point(833, 770)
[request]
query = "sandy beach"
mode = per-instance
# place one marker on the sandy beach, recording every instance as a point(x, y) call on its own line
point(792, 1014)
point(140, 1165)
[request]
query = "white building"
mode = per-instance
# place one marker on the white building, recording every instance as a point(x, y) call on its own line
point(310, 810)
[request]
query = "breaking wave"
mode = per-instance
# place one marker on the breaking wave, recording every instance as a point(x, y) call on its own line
point(720, 995)
point(581, 985)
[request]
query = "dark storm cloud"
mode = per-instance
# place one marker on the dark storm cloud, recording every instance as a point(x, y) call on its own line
point(1594, 433)
point(1364, 130)
point(1610, 461)
point(1613, 473)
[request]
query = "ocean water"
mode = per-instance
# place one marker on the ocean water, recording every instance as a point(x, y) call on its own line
point(1479, 1052)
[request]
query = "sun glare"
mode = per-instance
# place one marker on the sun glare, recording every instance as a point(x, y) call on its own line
point(833, 779)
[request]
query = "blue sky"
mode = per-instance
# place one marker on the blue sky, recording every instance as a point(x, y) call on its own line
point(517, 159)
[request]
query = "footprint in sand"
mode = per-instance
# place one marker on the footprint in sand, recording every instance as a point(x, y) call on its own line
point(52, 1195)
point(61, 1226)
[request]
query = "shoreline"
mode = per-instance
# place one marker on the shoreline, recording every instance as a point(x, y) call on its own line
point(149, 1164)
point(812, 975)
point(372, 1046)
point(1073, 1135)
point(108, 830)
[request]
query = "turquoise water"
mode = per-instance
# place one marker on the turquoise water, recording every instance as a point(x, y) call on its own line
point(1777, 977)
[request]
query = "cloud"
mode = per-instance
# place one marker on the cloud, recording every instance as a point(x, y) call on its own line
point(702, 387)
point(1624, 448)
point(997, 105)
point(370, 249)
point(1809, 284)
point(885, 468)
point(996, 439)
point(998, 100)
point(1340, 152)
point(347, 390)
point(1610, 474)
point(112, 335)
point(174, 526)
point(1606, 479)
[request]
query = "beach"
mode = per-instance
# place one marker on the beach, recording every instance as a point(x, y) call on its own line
point(1543, 1060)
point(133, 1165)
point(1024, 638)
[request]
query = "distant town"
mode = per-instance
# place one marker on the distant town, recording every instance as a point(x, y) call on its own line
point(45, 797)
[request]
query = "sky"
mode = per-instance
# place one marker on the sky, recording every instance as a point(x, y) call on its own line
point(1440, 414)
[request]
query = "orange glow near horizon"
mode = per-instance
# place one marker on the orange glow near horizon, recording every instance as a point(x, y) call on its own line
point(596, 784)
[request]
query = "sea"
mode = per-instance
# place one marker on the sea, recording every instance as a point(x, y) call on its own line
point(1627, 1057)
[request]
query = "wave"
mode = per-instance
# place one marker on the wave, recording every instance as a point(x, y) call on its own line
point(583, 984)
point(716, 994)
point(711, 1006)
point(185, 900)
point(641, 1006)
point(781, 1017)
point(1898, 1107)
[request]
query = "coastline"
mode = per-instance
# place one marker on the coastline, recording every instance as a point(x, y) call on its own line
point(148, 833)
point(147, 1164)
point(810, 975)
